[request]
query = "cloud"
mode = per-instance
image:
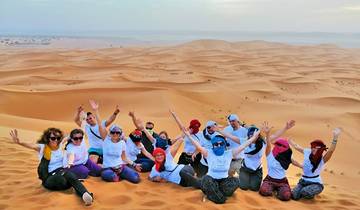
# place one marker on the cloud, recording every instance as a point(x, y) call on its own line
point(352, 8)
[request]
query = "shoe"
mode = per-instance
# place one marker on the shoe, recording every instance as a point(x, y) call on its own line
point(87, 198)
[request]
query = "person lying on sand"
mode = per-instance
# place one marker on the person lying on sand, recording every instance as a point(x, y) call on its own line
point(251, 173)
point(311, 183)
point(50, 169)
point(94, 134)
point(217, 185)
point(278, 160)
point(77, 157)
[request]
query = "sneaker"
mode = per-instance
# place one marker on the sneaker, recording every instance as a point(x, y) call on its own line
point(87, 198)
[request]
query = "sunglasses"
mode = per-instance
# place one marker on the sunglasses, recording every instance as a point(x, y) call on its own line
point(218, 144)
point(280, 145)
point(78, 138)
point(115, 132)
point(210, 126)
point(53, 138)
point(149, 128)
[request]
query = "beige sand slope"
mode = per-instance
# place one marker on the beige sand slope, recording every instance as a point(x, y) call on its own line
point(318, 86)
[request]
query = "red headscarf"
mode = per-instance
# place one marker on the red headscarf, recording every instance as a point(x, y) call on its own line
point(315, 159)
point(281, 145)
point(195, 125)
point(159, 166)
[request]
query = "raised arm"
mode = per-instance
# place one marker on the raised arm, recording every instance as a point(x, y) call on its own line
point(280, 132)
point(227, 135)
point(175, 147)
point(102, 129)
point(77, 120)
point(112, 118)
point(296, 146)
point(329, 153)
point(139, 124)
point(146, 153)
point(197, 145)
point(266, 129)
point(174, 140)
point(177, 120)
point(296, 163)
point(16, 140)
point(237, 150)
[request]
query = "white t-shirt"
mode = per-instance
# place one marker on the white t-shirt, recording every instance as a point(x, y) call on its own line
point(275, 170)
point(112, 153)
point(172, 170)
point(188, 146)
point(56, 160)
point(94, 142)
point(206, 144)
point(132, 150)
point(307, 166)
point(80, 153)
point(219, 165)
point(241, 133)
point(253, 161)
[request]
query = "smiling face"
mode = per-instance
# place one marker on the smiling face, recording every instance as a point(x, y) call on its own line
point(159, 158)
point(54, 139)
point(90, 119)
point(77, 139)
point(115, 136)
point(234, 124)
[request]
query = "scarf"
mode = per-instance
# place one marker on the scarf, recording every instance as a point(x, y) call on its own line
point(159, 166)
point(316, 159)
point(282, 153)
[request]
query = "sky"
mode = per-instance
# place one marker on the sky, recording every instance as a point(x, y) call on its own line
point(91, 16)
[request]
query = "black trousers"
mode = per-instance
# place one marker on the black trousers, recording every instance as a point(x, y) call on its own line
point(188, 178)
point(62, 180)
point(217, 190)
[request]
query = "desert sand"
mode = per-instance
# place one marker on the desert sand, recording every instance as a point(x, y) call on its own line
point(318, 86)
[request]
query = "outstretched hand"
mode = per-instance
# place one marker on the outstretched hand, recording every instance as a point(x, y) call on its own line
point(94, 105)
point(80, 109)
point(256, 134)
point(290, 124)
point(132, 114)
point(337, 132)
point(265, 127)
point(14, 136)
point(117, 110)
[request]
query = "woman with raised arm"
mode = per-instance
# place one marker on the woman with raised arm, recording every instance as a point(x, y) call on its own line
point(50, 169)
point(311, 183)
point(77, 157)
point(115, 164)
point(217, 185)
point(251, 173)
point(93, 132)
point(278, 160)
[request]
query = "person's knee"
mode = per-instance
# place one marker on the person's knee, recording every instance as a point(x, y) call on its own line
point(108, 176)
point(265, 190)
point(254, 187)
point(135, 178)
point(285, 196)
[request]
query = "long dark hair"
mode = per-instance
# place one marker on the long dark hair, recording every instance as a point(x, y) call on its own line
point(45, 137)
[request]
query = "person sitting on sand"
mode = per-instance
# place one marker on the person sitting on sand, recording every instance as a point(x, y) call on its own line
point(205, 142)
point(50, 169)
point(310, 183)
point(217, 185)
point(77, 157)
point(94, 134)
point(134, 147)
point(237, 129)
point(115, 161)
point(251, 173)
point(278, 160)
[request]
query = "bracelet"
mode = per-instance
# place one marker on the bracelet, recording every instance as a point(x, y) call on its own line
point(133, 164)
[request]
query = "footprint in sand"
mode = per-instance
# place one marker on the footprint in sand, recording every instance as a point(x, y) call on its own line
point(153, 203)
point(345, 202)
point(251, 201)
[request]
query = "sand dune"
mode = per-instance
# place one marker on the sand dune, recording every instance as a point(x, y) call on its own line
point(318, 86)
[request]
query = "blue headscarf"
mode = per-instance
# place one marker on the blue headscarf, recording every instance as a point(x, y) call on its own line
point(219, 150)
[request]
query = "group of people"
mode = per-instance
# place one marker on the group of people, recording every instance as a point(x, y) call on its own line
point(217, 160)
